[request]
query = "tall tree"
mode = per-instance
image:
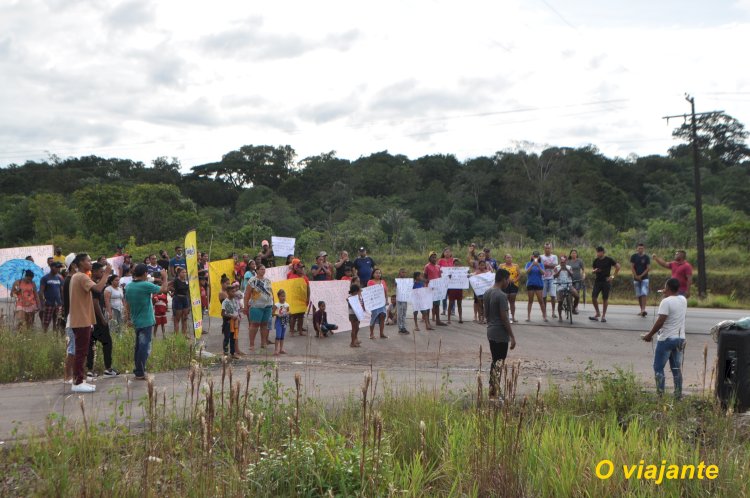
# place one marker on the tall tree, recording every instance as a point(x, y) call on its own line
point(719, 135)
point(251, 165)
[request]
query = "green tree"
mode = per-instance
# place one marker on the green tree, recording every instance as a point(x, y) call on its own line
point(52, 216)
point(719, 135)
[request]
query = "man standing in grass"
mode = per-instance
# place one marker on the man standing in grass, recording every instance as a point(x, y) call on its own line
point(499, 331)
point(671, 342)
point(82, 317)
point(138, 296)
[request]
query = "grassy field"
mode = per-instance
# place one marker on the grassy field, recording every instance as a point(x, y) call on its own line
point(225, 439)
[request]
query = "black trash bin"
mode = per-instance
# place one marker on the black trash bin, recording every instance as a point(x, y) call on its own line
point(733, 369)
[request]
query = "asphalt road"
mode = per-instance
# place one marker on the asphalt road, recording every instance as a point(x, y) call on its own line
point(553, 352)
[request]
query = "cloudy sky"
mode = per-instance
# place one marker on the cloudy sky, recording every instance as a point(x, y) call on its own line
point(196, 79)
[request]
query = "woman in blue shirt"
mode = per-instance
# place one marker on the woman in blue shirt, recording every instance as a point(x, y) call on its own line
point(534, 284)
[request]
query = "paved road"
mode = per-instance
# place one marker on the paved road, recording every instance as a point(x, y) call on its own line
point(553, 352)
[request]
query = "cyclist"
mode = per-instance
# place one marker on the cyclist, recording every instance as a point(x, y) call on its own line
point(563, 275)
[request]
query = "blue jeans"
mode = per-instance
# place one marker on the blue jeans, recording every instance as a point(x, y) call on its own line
point(142, 349)
point(669, 350)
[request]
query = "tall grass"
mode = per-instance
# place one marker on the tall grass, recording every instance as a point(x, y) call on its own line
point(268, 442)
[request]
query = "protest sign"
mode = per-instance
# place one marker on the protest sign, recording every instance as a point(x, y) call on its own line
point(277, 273)
point(282, 246)
point(403, 289)
point(191, 260)
point(357, 308)
point(373, 297)
point(482, 282)
point(38, 253)
point(458, 276)
point(334, 293)
point(296, 294)
point(421, 299)
point(215, 270)
point(439, 288)
point(116, 263)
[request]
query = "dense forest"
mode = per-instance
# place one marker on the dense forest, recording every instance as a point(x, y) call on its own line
point(514, 197)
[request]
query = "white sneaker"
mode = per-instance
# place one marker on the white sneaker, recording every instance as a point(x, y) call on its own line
point(83, 387)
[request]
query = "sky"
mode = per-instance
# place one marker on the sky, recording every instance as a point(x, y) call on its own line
point(194, 80)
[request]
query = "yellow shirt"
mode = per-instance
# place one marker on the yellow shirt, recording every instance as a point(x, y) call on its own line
point(513, 270)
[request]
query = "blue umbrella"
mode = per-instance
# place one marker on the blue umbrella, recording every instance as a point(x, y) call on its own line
point(14, 269)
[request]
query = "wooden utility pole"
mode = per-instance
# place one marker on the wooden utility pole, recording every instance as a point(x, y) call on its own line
point(698, 196)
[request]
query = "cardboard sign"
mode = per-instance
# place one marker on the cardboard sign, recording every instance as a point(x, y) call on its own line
point(403, 289)
point(421, 299)
point(335, 294)
point(357, 308)
point(215, 270)
point(458, 277)
point(296, 294)
point(439, 287)
point(482, 282)
point(277, 273)
point(373, 297)
point(282, 246)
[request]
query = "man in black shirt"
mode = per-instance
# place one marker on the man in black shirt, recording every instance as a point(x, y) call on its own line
point(602, 268)
point(342, 264)
point(640, 264)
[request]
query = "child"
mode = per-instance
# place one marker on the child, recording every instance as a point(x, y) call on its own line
point(392, 312)
point(236, 323)
point(418, 284)
point(160, 310)
point(320, 321)
point(281, 310)
point(401, 307)
point(354, 291)
point(479, 300)
point(229, 313)
point(204, 294)
point(347, 273)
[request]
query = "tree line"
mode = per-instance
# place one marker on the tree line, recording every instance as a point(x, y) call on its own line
point(513, 197)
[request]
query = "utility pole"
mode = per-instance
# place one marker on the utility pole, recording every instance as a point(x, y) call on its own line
point(698, 196)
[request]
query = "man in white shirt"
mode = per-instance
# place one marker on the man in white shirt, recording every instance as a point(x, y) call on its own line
point(549, 261)
point(670, 344)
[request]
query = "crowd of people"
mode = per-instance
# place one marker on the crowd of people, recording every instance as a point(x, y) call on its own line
point(88, 300)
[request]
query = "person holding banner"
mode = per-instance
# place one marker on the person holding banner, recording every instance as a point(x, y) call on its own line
point(378, 315)
point(419, 283)
point(513, 284)
point(355, 292)
point(479, 300)
point(297, 270)
point(432, 271)
point(259, 303)
point(266, 255)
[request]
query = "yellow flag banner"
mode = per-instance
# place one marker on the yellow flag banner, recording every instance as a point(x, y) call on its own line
point(191, 260)
point(296, 294)
point(215, 270)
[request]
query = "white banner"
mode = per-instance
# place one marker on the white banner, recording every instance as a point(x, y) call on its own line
point(403, 289)
point(38, 253)
point(421, 299)
point(439, 287)
point(357, 307)
point(277, 273)
point(282, 246)
point(458, 276)
point(480, 283)
point(335, 294)
point(373, 297)
point(116, 263)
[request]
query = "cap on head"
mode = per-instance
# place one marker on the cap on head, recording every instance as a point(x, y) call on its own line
point(362, 249)
point(295, 262)
point(322, 254)
point(432, 253)
point(264, 243)
point(535, 254)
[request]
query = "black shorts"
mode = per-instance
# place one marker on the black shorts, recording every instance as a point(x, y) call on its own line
point(512, 289)
point(601, 287)
point(532, 288)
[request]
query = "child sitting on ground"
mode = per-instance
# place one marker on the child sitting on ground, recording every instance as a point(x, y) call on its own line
point(392, 312)
point(320, 321)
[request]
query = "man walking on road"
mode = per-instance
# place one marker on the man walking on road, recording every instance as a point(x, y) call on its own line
point(602, 267)
point(640, 265)
point(138, 296)
point(499, 331)
point(670, 345)
point(681, 270)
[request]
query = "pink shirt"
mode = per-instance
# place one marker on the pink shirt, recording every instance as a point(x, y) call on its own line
point(681, 271)
point(445, 262)
point(432, 271)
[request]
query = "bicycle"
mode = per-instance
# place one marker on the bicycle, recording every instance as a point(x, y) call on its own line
point(565, 298)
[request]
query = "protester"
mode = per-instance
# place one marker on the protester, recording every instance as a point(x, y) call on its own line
point(378, 315)
point(446, 260)
point(161, 307)
point(402, 306)
point(479, 300)
point(602, 267)
point(364, 265)
point(240, 268)
point(491, 262)
point(163, 259)
point(499, 331)
point(27, 300)
point(348, 274)
point(297, 270)
point(101, 331)
point(140, 306)
point(342, 264)
point(68, 376)
point(259, 303)
point(179, 289)
point(203, 262)
point(50, 294)
point(281, 310)
point(127, 264)
point(472, 258)
point(267, 258)
point(250, 271)
point(455, 296)
point(535, 284)
point(564, 276)
point(392, 312)
point(320, 322)
point(82, 316)
point(113, 302)
point(431, 272)
point(549, 261)
point(514, 284)
point(126, 278)
point(354, 290)
point(640, 265)
point(239, 299)
point(322, 269)
point(153, 265)
point(230, 315)
point(579, 274)
point(419, 283)
point(58, 257)
point(670, 346)
point(177, 262)
point(681, 270)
